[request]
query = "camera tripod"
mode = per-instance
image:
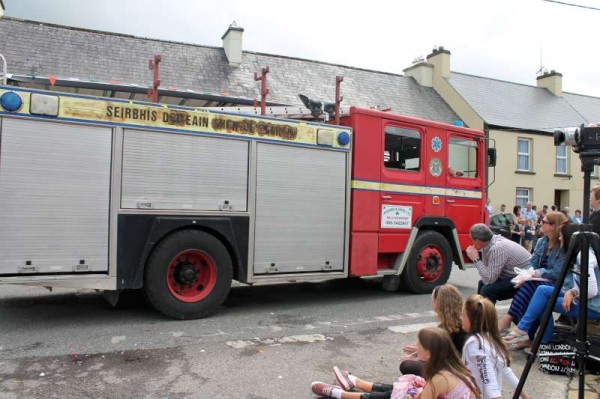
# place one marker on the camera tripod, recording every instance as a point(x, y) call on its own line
point(581, 241)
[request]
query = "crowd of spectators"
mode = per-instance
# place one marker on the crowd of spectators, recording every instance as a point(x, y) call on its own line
point(524, 225)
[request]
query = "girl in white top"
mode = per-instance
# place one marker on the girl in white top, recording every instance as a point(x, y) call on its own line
point(484, 353)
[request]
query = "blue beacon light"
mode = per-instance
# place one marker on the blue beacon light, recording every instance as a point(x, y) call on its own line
point(343, 138)
point(11, 101)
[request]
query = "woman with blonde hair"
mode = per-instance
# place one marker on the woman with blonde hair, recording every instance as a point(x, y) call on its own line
point(545, 265)
point(447, 303)
point(484, 353)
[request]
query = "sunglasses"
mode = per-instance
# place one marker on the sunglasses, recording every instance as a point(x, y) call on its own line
point(546, 222)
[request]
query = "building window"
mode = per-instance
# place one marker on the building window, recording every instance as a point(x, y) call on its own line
point(523, 196)
point(462, 156)
point(524, 155)
point(561, 160)
point(402, 149)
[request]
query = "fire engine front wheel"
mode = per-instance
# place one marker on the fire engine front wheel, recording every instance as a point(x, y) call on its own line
point(429, 263)
point(188, 275)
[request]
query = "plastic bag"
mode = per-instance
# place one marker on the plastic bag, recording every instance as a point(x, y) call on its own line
point(524, 275)
point(408, 387)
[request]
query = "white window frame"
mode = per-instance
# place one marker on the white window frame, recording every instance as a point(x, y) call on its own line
point(560, 157)
point(524, 154)
point(521, 199)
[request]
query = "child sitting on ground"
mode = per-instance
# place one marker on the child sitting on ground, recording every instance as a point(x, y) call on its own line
point(484, 353)
point(447, 302)
point(446, 377)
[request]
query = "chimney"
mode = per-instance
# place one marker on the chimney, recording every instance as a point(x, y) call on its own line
point(440, 59)
point(551, 81)
point(422, 72)
point(1, 8)
point(232, 43)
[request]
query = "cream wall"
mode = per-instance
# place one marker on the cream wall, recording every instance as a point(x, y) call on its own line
point(543, 181)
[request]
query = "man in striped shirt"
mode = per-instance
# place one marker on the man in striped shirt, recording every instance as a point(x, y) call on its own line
point(496, 262)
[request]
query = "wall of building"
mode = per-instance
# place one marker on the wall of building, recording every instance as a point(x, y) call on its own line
point(542, 181)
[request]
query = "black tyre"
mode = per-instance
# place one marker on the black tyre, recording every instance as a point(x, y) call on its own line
point(429, 263)
point(188, 275)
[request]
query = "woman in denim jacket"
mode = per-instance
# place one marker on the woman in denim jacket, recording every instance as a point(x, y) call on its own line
point(566, 304)
point(547, 261)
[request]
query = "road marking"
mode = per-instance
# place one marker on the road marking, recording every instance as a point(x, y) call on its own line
point(409, 328)
point(118, 339)
point(308, 338)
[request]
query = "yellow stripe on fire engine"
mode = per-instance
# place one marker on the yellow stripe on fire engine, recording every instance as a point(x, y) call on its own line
point(408, 189)
point(184, 119)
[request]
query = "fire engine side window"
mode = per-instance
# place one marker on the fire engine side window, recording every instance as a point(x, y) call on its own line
point(402, 148)
point(462, 156)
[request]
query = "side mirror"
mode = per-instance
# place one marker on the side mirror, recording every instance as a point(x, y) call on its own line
point(491, 154)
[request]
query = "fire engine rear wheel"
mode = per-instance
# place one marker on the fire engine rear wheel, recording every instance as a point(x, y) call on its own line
point(188, 275)
point(429, 263)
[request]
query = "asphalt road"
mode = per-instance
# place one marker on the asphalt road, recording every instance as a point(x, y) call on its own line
point(264, 342)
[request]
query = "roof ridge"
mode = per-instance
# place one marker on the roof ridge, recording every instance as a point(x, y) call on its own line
point(278, 56)
point(495, 79)
point(103, 32)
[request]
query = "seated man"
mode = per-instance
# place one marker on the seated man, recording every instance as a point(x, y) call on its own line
point(499, 257)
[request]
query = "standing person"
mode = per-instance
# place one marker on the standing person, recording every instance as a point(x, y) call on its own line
point(446, 377)
point(516, 224)
point(546, 261)
point(447, 302)
point(528, 233)
point(577, 218)
point(542, 213)
point(566, 304)
point(528, 213)
point(485, 353)
point(497, 262)
point(488, 205)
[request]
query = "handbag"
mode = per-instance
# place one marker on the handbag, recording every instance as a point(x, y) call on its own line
point(558, 357)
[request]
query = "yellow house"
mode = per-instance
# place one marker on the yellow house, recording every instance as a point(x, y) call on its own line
point(520, 120)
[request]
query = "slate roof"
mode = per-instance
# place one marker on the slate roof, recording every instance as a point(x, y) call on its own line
point(45, 49)
point(513, 105)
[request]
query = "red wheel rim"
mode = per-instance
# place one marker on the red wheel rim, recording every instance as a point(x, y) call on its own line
point(191, 275)
point(430, 264)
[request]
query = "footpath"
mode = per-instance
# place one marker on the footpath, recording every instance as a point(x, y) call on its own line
point(592, 387)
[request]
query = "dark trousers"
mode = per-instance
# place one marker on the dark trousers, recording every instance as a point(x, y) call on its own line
point(379, 391)
point(498, 291)
point(412, 367)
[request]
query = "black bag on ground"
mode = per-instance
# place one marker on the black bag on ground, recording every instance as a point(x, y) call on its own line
point(558, 357)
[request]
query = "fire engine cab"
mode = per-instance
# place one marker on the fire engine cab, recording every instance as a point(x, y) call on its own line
point(112, 195)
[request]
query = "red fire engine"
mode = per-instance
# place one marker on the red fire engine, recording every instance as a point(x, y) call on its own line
point(111, 194)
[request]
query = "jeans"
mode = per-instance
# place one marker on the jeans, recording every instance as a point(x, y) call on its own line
point(501, 289)
point(538, 304)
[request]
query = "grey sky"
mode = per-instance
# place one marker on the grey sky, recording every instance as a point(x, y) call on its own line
point(502, 39)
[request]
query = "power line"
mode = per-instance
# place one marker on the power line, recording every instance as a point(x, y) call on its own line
point(572, 5)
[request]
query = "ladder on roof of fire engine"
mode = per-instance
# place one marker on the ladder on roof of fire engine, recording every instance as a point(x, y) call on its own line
point(278, 111)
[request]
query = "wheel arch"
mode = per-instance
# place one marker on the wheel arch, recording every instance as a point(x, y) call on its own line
point(441, 225)
point(139, 236)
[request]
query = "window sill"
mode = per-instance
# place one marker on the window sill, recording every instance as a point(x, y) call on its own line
point(563, 175)
point(524, 172)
